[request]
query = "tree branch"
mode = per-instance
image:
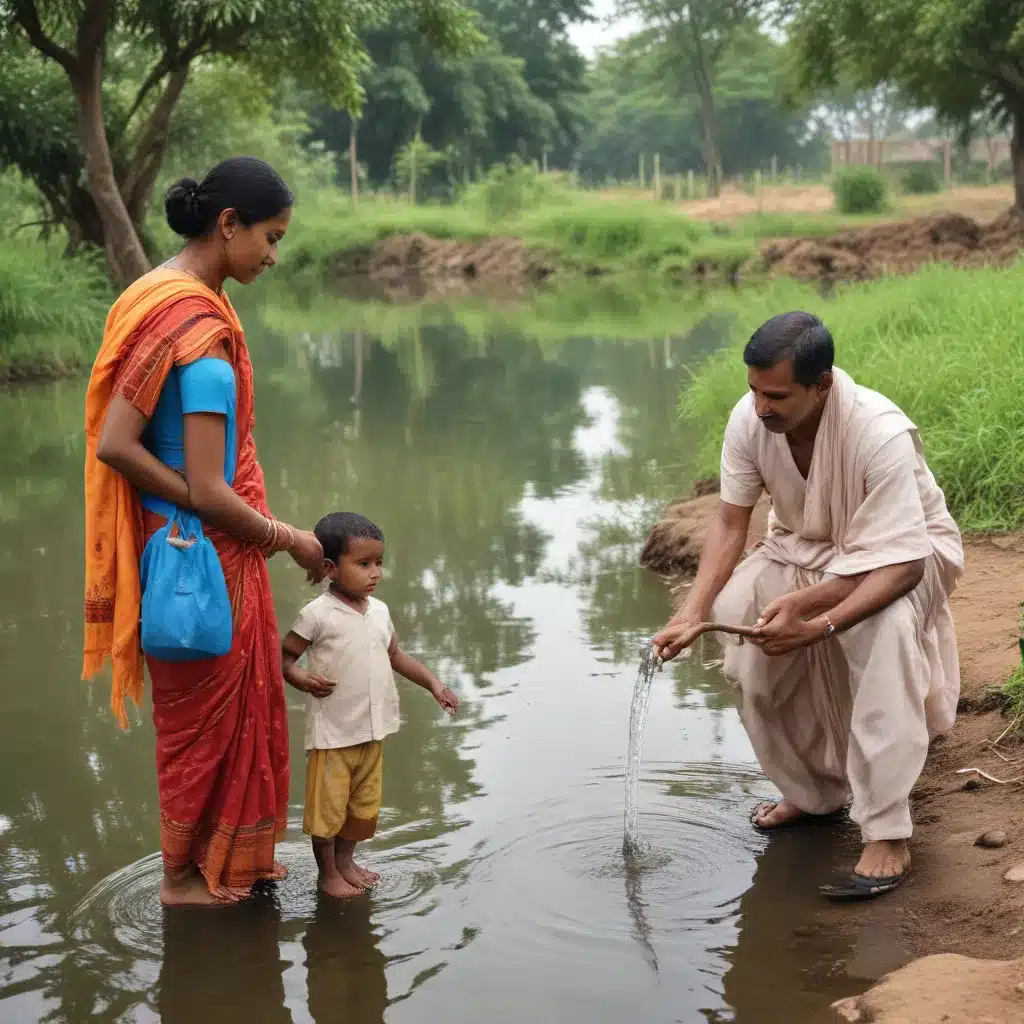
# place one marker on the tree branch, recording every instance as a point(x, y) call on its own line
point(27, 16)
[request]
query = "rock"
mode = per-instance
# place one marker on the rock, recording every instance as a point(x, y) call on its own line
point(971, 784)
point(1015, 874)
point(992, 840)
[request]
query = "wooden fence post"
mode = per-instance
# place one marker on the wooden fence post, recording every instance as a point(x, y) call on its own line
point(690, 193)
point(643, 176)
point(657, 177)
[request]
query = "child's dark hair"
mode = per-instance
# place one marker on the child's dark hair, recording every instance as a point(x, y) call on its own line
point(336, 529)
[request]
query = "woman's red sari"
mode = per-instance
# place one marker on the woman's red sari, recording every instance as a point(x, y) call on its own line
point(221, 727)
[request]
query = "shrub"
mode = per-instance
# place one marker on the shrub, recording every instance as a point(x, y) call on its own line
point(859, 190)
point(920, 180)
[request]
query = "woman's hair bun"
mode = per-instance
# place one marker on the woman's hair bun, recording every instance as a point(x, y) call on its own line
point(181, 205)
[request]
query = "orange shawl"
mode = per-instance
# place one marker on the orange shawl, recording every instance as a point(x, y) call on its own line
point(164, 319)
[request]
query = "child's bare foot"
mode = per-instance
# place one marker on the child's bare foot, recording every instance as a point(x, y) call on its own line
point(369, 877)
point(279, 872)
point(353, 875)
point(339, 887)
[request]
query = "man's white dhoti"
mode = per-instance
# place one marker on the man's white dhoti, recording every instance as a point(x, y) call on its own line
point(853, 714)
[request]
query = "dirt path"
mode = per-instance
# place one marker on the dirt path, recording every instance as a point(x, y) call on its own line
point(956, 901)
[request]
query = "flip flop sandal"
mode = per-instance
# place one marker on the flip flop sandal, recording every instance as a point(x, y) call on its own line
point(802, 821)
point(861, 887)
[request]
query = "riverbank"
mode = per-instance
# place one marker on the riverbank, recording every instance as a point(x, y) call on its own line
point(956, 900)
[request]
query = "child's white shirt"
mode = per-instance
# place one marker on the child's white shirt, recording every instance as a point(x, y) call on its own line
point(351, 650)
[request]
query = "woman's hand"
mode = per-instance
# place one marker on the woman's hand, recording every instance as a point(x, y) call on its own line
point(309, 555)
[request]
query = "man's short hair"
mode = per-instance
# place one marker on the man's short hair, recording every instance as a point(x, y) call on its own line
point(799, 336)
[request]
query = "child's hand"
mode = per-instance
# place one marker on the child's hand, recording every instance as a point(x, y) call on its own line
point(446, 699)
point(315, 685)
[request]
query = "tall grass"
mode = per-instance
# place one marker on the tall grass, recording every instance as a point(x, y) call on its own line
point(946, 345)
point(51, 308)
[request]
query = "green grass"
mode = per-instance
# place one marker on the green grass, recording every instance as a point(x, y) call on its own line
point(946, 345)
point(52, 308)
point(578, 229)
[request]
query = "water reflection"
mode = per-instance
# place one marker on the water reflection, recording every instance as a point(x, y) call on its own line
point(513, 478)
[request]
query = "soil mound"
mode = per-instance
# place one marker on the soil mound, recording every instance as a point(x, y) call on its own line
point(443, 264)
point(944, 988)
point(898, 248)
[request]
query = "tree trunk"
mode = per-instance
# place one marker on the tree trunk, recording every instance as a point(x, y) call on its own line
point(1017, 156)
point(137, 187)
point(708, 141)
point(125, 256)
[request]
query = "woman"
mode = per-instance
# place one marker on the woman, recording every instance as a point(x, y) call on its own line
point(169, 419)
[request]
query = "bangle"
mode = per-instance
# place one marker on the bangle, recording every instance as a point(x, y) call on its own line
point(831, 629)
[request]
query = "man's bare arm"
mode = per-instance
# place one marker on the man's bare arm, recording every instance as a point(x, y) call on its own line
point(804, 621)
point(722, 551)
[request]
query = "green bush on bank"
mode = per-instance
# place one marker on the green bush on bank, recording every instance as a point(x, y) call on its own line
point(52, 308)
point(946, 345)
point(859, 190)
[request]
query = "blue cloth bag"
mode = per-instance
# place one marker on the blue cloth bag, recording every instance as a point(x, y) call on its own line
point(186, 611)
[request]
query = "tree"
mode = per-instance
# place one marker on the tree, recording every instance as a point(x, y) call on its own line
point(520, 93)
point(316, 41)
point(629, 112)
point(960, 58)
point(687, 40)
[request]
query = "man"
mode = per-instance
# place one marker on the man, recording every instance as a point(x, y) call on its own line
point(854, 666)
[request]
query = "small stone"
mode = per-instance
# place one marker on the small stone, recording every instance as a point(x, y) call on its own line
point(971, 784)
point(1015, 874)
point(991, 840)
point(1019, 987)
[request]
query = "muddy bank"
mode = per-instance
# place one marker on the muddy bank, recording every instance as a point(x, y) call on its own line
point(426, 266)
point(956, 900)
point(898, 248)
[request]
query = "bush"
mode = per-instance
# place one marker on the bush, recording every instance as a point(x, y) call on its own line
point(859, 190)
point(920, 180)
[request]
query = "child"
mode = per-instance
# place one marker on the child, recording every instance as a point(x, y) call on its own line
point(352, 702)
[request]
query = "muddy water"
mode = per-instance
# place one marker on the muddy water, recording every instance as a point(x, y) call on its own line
point(513, 479)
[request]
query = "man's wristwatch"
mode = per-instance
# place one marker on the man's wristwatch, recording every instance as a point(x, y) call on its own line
point(831, 629)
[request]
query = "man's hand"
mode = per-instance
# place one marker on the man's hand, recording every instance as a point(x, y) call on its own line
point(783, 628)
point(675, 637)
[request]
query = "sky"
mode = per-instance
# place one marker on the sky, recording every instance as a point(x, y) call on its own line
point(591, 36)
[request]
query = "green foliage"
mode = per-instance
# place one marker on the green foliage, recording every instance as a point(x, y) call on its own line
point(946, 345)
point(960, 58)
point(415, 162)
point(859, 190)
point(46, 326)
point(509, 189)
point(630, 112)
point(920, 180)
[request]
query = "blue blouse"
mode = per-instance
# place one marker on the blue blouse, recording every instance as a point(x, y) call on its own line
point(207, 385)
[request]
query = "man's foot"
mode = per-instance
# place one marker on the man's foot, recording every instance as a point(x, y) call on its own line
point(191, 890)
point(339, 887)
point(884, 859)
point(882, 867)
point(775, 813)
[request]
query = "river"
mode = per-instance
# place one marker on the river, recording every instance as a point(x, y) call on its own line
point(514, 477)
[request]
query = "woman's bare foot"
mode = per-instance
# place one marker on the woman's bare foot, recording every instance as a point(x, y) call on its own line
point(775, 813)
point(884, 859)
point(279, 872)
point(339, 887)
point(191, 890)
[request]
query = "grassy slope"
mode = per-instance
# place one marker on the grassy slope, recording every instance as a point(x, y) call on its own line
point(51, 309)
point(945, 345)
